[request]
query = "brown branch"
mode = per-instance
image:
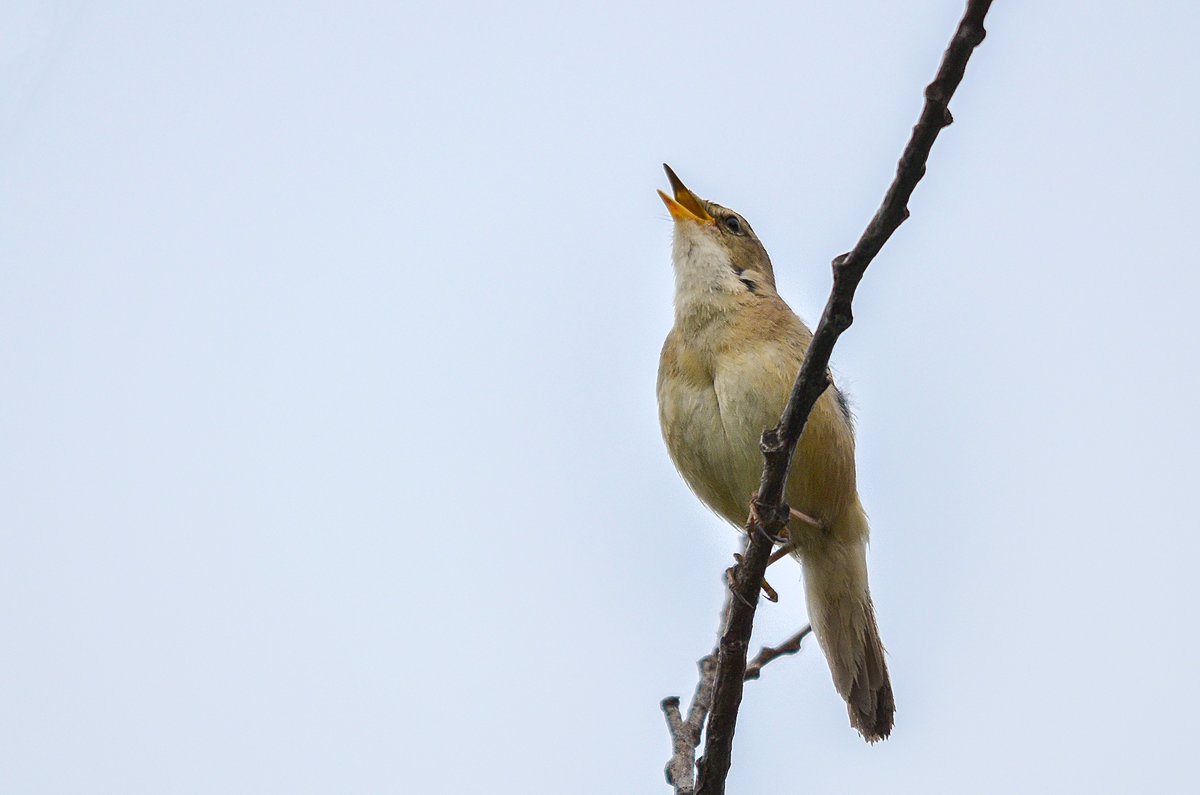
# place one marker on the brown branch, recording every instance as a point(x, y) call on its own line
point(768, 653)
point(779, 444)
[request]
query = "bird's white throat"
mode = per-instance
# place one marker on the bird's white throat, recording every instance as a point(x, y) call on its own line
point(704, 275)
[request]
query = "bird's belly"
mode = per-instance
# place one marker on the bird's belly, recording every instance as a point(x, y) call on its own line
point(713, 440)
point(716, 451)
point(713, 429)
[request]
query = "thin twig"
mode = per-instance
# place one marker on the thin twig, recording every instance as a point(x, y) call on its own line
point(779, 444)
point(685, 734)
point(768, 653)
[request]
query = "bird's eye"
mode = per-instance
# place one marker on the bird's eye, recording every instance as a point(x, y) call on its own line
point(733, 225)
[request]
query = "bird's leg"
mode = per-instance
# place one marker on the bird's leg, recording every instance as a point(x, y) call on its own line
point(782, 539)
point(787, 547)
point(757, 520)
point(784, 550)
point(732, 585)
point(770, 593)
point(808, 520)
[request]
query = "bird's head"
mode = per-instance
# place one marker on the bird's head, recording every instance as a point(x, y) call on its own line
point(715, 250)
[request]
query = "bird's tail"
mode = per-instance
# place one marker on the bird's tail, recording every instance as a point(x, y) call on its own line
point(843, 618)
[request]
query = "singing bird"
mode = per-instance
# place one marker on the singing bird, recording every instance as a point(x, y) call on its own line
point(726, 371)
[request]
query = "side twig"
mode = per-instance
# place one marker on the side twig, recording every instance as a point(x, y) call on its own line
point(779, 443)
point(768, 653)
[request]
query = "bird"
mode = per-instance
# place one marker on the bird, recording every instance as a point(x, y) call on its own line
point(725, 373)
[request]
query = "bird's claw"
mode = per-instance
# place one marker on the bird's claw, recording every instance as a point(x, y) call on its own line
point(757, 520)
point(770, 593)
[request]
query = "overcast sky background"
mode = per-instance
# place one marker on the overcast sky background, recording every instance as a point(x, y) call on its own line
point(328, 338)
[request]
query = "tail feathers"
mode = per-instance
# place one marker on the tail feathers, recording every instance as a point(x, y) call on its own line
point(870, 701)
point(839, 606)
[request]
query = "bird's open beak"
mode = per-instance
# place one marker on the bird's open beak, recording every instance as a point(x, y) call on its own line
point(685, 205)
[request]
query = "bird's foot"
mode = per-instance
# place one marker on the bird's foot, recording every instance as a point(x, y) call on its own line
point(731, 584)
point(757, 520)
point(770, 593)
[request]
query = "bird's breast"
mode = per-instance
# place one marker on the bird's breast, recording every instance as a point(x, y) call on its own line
point(713, 408)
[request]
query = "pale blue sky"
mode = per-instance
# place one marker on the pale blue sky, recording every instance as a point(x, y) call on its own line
point(330, 453)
